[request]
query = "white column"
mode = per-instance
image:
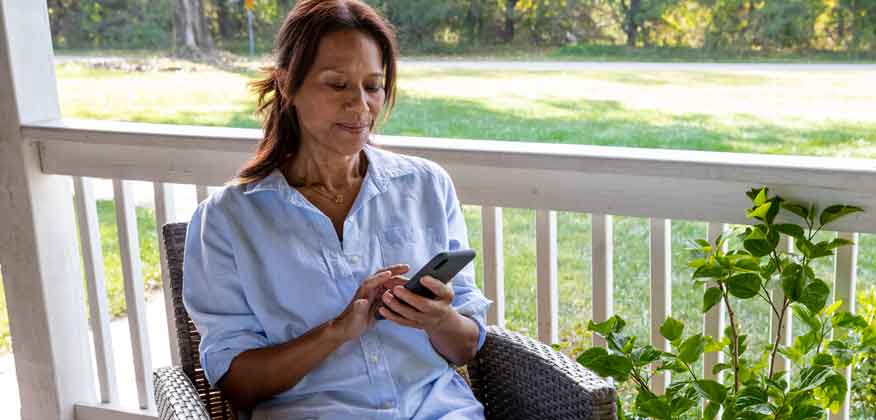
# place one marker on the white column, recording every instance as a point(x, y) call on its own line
point(38, 252)
point(602, 270)
point(661, 292)
point(494, 264)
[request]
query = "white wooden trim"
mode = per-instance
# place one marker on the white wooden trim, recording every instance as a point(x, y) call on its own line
point(846, 269)
point(92, 262)
point(38, 253)
point(547, 296)
point(494, 264)
point(782, 364)
point(201, 192)
point(714, 319)
point(164, 214)
point(85, 411)
point(129, 251)
point(661, 291)
point(704, 186)
point(602, 260)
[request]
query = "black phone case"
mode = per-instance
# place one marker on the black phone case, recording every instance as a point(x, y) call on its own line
point(443, 266)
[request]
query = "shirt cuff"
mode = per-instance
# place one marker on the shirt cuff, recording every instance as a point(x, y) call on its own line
point(217, 362)
point(474, 306)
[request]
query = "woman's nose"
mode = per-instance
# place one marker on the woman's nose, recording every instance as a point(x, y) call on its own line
point(358, 102)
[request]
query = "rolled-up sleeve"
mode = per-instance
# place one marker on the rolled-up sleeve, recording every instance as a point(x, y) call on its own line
point(468, 299)
point(213, 294)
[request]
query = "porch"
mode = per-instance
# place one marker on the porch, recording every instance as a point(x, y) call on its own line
point(40, 249)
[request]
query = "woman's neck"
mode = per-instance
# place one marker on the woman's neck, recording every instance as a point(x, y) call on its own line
point(331, 171)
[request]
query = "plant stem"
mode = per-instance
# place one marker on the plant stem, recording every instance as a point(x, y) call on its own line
point(735, 349)
point(778, 336)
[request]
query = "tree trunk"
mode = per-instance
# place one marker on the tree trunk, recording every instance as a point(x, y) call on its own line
point(509, 20)
point(631, 26)
point(224, 15)
point(192, 38)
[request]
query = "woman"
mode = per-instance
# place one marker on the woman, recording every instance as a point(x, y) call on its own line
point(282, 271)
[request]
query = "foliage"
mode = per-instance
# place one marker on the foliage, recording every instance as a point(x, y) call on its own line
point(864, 367)
point(753, 269)
point(127, 24)
point(457, 25)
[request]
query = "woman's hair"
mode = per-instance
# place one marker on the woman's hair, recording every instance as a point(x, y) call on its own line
point(295, 49)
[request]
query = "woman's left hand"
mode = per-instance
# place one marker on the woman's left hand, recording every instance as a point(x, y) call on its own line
point(415, 311)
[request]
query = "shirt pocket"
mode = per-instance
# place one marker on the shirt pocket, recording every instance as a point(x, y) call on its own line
point(408, 245)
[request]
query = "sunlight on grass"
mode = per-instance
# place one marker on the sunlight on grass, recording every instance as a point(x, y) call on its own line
point(765, 112)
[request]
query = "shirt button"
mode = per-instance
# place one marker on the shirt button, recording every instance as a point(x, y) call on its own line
point(354, 259)
point(375, 358)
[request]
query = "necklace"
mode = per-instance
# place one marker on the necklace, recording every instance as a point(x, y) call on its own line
point(337, 198)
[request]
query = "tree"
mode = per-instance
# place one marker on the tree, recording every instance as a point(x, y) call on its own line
point(635, 15)
point(192, 37)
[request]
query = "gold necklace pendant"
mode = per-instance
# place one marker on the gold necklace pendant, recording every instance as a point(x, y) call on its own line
point(339, 199)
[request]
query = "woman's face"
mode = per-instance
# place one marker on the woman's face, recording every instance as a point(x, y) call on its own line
point(342, 94)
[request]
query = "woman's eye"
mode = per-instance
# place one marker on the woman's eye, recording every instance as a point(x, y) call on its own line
point(373, 88)
point(338, 86)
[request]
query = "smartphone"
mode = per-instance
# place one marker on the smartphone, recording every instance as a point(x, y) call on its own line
point(443, 266)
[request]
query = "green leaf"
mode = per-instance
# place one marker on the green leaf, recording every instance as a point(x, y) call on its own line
point(823, 359)
point(645, 355)
point(814, 295)
point(838, 242)
point(612, 325)
point(709, 270)
point(806, 412)
point(720, 367)
point(803, 313)
point(703, 243)
point(711, 298)
point(834, 389)
point(758, 197)
point(671, 329)
point(711, 390)
point(759, 212)
point(744, 285)
point(792, 282)
point(797, 209)
point(847, 320)
point(813, 376)
point(837, 211)
point(842, 354)
point(757, 244)
point(653, 407)
point(750, 396)
point(606, 365)
point(692, 348)
point(790, 229)
point(711, 411)
point(774, 209)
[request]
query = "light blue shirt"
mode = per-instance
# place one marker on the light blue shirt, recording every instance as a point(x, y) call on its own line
point(264, 266)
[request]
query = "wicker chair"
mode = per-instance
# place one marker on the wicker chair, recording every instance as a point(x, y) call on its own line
point(515, 377)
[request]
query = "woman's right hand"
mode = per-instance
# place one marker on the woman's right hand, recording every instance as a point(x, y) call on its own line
point(358, 316)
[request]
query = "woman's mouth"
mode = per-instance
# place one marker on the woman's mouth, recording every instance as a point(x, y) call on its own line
point(353, 127)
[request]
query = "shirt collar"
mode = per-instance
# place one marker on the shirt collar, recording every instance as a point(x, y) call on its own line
point(382, 166)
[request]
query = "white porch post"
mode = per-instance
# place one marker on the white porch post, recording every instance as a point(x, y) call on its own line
point(38, 252)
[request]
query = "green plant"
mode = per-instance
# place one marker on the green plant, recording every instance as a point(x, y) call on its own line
point(864, 378)
point(750, 388)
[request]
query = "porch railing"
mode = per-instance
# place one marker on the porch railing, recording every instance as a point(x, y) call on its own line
point(41, 261)
point(662, 185)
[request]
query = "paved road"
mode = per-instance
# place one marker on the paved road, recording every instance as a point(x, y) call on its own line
point(588, 65)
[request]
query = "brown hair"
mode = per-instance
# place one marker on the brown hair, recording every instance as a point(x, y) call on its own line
point(295, 49)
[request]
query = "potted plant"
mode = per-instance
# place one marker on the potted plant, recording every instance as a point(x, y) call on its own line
point(750, 388)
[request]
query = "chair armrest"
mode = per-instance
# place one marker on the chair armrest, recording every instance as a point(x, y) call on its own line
point(516, 377)
point(175, 396)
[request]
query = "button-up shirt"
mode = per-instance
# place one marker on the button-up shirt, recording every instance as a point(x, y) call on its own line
point(263, 266)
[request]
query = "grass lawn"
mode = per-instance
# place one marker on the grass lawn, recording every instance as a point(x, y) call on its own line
point(799, 112)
